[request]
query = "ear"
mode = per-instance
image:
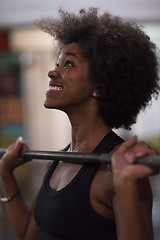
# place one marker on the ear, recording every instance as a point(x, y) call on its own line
point(96, 93)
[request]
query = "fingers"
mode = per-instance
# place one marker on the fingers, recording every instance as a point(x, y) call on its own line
point(130, 142)
point(126, 155)
point(11, 158)
point(17, 146)
point(132, 149)
point(139, 150)
point(127, 145)
point(20, 144)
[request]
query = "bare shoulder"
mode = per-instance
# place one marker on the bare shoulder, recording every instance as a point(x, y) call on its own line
point(101, 192)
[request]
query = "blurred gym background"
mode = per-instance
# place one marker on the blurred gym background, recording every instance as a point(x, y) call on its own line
point(26, 56)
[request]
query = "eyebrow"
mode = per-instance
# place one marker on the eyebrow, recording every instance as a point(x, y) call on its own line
point(71, 54)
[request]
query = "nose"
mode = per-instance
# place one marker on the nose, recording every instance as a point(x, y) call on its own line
point(53, 74)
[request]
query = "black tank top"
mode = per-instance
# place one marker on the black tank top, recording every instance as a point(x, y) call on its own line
point(67, 213)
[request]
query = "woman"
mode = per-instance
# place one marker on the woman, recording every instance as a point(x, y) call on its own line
point(105, 74)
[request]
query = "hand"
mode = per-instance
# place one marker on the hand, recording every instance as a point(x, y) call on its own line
point(124, 171)
point(11, 159)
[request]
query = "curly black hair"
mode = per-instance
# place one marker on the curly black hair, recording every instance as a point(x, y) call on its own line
point(122, 60)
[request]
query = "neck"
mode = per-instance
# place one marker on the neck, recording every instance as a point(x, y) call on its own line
point(88, 129)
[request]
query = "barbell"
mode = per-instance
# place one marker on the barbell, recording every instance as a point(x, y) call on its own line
point(76, 157)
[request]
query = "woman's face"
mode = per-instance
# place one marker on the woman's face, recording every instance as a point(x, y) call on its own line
point(69, 84)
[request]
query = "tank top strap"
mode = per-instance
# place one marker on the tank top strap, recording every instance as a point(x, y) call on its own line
point(109, 141)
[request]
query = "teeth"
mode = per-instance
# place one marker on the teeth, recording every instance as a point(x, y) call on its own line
point(55, 88)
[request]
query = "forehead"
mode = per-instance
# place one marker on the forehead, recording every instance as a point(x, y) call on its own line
point(72, 49)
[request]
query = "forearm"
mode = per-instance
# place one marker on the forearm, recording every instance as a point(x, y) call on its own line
point(133, 219)
point(20, 216)
point(17, 209)
point(132, 191)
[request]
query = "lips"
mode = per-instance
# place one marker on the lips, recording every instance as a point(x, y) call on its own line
point(55, 88)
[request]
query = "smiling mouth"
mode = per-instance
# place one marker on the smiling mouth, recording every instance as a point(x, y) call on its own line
point(55, 88)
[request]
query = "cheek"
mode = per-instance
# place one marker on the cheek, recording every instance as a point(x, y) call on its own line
point(76, 81)
point(83, 90)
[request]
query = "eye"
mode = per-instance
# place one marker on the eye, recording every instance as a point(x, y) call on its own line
point(68, 63)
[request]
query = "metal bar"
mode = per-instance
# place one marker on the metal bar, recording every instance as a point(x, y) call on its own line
point(76, 157)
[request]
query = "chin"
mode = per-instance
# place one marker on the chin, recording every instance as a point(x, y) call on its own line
point(47, 105)
point(50, 106)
